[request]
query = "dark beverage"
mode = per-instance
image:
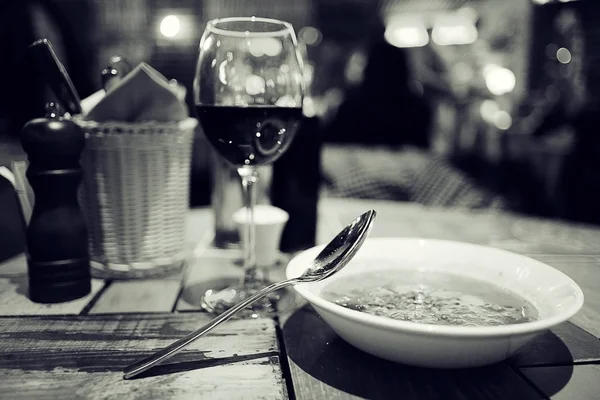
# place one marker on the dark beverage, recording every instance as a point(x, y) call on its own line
point(252, 136)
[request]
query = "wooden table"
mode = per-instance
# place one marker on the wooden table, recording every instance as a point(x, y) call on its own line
point(78, 349)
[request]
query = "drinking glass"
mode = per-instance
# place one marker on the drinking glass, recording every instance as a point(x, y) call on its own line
point(248, 91)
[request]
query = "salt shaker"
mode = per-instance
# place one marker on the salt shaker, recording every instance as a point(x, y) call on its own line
point(57, 240)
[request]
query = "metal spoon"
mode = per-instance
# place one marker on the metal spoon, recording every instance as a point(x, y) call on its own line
point(330, 260)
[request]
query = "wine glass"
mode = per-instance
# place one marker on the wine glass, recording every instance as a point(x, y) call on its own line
point(248, 91)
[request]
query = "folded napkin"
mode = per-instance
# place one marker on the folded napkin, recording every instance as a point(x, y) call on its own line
point(142, 95)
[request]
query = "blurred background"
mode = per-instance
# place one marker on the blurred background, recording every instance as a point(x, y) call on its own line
point(499, 97)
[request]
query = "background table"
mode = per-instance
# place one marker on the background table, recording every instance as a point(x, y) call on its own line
point(78, 349)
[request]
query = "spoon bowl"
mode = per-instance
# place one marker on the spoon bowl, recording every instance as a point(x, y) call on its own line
point(330, 260)
point(340, 250)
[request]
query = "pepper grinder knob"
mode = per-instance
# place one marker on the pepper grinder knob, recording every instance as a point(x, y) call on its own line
point(57, 239)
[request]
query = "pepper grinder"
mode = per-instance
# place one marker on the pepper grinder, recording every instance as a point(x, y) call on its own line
point(57, 240)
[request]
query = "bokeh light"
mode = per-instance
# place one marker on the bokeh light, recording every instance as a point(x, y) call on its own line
point(310, 35)
point(406, 36)
point(563, 55)
point(488, 110)
point(499, 80)
point(503, 120)
point(264, 46)
point(170, 26)
point(464, 33)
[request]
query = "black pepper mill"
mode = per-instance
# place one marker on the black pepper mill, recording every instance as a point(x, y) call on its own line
point(57, 239)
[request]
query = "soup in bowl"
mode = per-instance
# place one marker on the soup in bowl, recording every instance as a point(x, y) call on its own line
point(436, 303)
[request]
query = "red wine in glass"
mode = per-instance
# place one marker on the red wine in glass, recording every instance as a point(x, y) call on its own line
point(249, 136)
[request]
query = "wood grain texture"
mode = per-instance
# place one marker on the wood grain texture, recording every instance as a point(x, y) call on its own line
point(208, 272)
point(579, 382)
point(14, 266)
point(328, 223)
point(14, 300)
point(395, 219)
point(323, 366)
point(259, 378)
point(563, 345)
point(138, 296)
point(109, 342)
point(83, 356)
point(199, 225)
point(513, 232)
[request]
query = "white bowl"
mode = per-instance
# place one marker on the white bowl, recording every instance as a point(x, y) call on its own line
point(556, 296)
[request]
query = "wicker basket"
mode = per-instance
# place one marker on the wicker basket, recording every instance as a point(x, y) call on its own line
point(134, 196)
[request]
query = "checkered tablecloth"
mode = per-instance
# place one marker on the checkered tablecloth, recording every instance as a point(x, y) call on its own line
point(405, 174)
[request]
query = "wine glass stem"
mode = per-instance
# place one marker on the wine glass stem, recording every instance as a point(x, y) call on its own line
point(249, 177)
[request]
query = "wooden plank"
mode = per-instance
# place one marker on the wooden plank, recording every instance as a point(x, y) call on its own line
point(323, 366)
point(199, 223)
point(565, 344)
point(398, 219)
point(328, 223)
point(553, 236)
point(83, 357)
point(579, 382)
point(208, 272)
point(138, 296)
point(14, 300)
point(218, 269)
point(512, 232)
point(14, 266)
point(114, 341)
point(259, 378)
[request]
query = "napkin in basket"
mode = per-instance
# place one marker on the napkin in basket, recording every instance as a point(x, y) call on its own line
point(142, 95)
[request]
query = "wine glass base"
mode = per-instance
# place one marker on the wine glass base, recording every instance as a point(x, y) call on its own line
point(219, 301)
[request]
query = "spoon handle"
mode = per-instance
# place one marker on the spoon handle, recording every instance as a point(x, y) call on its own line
point(169, 351)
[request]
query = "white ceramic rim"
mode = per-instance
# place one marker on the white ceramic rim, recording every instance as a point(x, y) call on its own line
point(442, 330)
